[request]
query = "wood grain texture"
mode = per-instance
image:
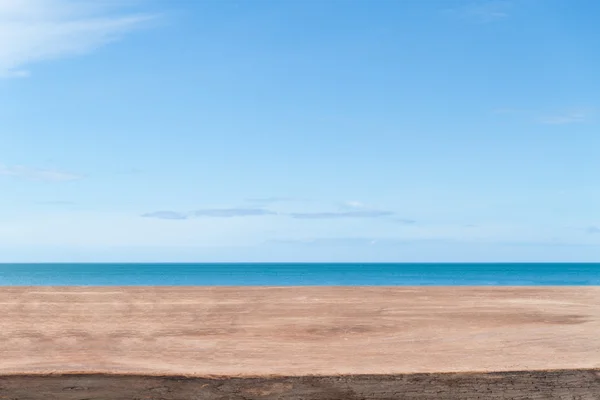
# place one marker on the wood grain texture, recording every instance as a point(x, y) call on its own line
point(521, 385)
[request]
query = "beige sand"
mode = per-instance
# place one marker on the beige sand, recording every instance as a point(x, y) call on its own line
point(297, 331)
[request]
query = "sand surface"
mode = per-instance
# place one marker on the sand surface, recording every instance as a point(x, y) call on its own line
point(244, 332)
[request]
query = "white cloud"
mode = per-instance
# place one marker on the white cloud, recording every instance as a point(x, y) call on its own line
point(567, 116)
point(484, 11)
point(38, 174)
point(353, 204)
point(38, 30)
point(571, 117)
point(487, 11)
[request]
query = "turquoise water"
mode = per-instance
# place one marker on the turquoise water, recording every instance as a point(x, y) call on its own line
point(300, 274)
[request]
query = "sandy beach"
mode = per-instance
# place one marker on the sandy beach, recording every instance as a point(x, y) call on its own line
point(295, 333)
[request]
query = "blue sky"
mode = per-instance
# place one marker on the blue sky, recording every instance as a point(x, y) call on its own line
point(438, 130)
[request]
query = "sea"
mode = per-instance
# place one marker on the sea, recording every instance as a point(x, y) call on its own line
point(314, 274)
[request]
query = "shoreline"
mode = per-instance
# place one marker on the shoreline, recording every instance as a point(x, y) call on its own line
point(104, 374)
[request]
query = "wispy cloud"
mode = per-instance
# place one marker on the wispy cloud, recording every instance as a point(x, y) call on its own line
point(484, 11)
point(593, 230)
point(347, 209)
point(174, 215)
point(356, 241)
point(232, 212)
point(570, 117)
point(37, 30)
point(404, 221)
point(573, 116)
point(210, 213)
point(38, 174)
point(547, 244)
point(355, 205)
point(342, 214)
point(340, 241)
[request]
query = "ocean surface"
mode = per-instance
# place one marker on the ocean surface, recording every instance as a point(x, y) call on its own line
point(359, 274)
